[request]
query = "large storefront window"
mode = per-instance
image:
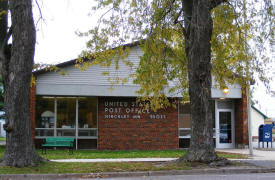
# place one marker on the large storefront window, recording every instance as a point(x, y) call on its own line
point(66, 115)
point(44, 116)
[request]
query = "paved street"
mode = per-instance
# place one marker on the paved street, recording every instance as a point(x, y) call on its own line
point(259, 176)
point(261, 163)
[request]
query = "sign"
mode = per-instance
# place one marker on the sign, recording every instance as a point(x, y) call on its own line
point(126, 110)
point(267, 135)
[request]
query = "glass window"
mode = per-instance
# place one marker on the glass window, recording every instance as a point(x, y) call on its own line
point(87, 112)
point(184, 116)
point(87, 116)
point(185, 119)
point(44, 116)
point(225, 127)
point(66, 114)
point(213, 117)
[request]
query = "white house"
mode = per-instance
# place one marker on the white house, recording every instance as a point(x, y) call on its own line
point(257, 118)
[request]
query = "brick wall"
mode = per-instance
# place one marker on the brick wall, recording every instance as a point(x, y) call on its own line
point(32, 108)
point(120, 126)
point(241, 121)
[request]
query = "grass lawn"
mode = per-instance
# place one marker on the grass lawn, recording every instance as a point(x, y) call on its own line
point(2, 139)
point(96, 154)
point(231, 155)
point(56, 167)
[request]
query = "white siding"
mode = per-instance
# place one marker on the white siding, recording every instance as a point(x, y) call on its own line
point(91, 82)
point(93, 74)
point(256, 120)
point(235, 91)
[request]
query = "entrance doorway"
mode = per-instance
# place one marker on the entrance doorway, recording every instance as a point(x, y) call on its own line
point(225, 136)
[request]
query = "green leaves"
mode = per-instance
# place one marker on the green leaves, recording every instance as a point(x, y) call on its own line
point(241, 30)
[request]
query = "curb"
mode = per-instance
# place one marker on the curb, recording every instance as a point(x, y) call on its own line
point(140, 173)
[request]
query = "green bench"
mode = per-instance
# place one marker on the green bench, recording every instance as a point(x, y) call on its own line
point(58, 142)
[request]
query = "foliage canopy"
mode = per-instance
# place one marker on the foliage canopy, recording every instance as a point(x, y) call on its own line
point(242, 33)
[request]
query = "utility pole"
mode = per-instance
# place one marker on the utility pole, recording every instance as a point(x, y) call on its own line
point(250, 143)
point(248, 88)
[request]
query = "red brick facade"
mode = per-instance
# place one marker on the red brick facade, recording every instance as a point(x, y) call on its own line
point(32, 108)
point(120, 126)
point(241, 121)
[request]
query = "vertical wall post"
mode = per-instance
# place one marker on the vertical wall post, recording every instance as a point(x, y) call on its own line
point(55, 116)
point(76, 124)
point(32, 105)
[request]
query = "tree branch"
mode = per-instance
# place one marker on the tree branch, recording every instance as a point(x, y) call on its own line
point(215, 3)
point(8, 35)
point(177, 17)
point(41, 18)
point(183, 29)
point(4, 44)
point(176, 21)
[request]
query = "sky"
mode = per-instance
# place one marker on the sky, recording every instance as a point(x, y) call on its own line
point(57, 40)
point(56, 34)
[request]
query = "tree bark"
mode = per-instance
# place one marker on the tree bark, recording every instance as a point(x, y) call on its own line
point(16, 72)
point(199, 27)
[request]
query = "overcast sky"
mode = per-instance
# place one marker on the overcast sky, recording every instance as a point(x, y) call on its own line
point(56, 38)
point(57, 41)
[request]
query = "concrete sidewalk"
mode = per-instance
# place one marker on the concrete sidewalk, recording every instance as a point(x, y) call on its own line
point(264, 158)
point(258, 154)
point(2, 143)
point(117, 160)
point(263, 154)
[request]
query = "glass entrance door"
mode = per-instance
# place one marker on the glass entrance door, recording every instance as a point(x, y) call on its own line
point(225, 129)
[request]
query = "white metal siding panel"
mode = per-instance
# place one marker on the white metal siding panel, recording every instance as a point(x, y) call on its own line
point(235, 91)
point(93, 74)
point(91, 82)
point(85, 90)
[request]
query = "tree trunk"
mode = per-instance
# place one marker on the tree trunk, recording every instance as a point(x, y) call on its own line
point(16, 72)
point(199, 27)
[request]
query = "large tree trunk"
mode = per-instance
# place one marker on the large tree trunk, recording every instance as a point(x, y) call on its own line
point(199, 27)
point(16, 72)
